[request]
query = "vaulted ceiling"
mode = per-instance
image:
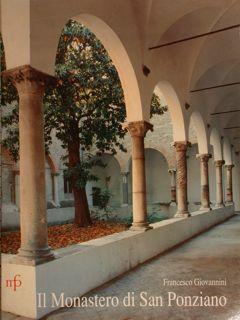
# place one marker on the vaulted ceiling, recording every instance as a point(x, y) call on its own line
point(175, 26)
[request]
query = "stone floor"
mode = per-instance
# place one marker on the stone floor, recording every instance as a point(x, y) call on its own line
point(214, 255)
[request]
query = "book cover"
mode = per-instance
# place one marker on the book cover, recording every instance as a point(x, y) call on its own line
point(120, 159)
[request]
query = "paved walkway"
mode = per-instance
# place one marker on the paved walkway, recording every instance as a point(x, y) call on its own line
point(214, 255)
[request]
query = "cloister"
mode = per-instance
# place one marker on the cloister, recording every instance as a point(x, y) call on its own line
point(188, 53)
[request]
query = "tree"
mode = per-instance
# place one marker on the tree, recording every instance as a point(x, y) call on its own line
point(85, 109)
point(88, 96)
point(156, 106)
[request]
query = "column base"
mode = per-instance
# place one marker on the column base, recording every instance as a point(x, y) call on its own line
point(219, 205)
point(56, 205)
point(205, 209)
point(140, 226)
point(182, 214)
point(33, 257)
point(228, 203)
point(173, 204)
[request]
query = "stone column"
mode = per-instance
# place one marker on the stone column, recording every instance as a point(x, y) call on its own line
point(172, 173)
point(219, 183)
point(181, 150)
point(55, 189)
point(30, 84)
point(205, 197)
point(138, 130)
point(229, 197)
point(125, 187)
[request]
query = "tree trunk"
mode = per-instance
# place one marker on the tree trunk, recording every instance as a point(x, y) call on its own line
point(82, 213)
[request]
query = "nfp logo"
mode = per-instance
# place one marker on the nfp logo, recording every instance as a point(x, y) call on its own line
point(14, 283)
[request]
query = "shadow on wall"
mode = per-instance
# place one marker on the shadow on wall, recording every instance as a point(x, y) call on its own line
point(109, 178)
point(157, 178)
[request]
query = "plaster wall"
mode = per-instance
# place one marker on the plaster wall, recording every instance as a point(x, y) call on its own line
point(236, 184)
point(6, 181)
point(11, 217)
point(157, 177)
point(111, 171)
point(48, 183)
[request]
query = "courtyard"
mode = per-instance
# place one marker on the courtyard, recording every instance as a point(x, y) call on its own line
point(120, 159)
point(213, 255)
point(61, 236)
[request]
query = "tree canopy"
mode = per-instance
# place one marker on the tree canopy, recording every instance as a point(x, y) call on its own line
point(85, 109)
point(87, 100)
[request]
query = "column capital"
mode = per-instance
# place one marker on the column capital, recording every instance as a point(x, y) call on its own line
point(204, 157)
point(219, 163)
point(181, 145)
point(138, 128)
point(28, 79)
point(125, 173)
point(229, 166)
point(124, 176)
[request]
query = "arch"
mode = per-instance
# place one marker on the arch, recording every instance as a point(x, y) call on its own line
point(197, 121)
point(227, 151)
point(157, 177)
point(52, 164)
point(160, 149)
point(121, 61)
point(109, 177)
point(165, 90)
point(16, 35)
point(215, 141)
